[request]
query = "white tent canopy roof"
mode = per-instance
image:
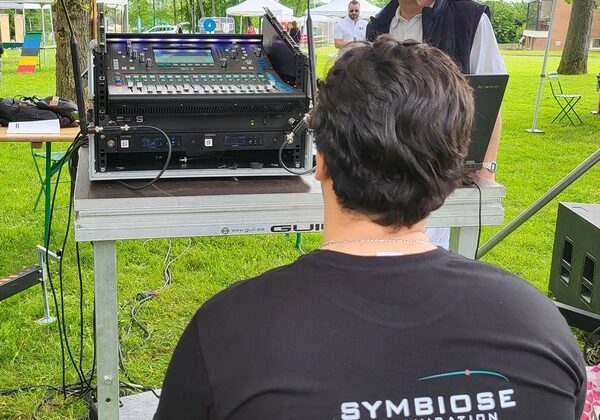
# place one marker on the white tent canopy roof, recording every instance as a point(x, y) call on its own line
point(257, 8)
point(340, 8)
point(29, 5)
point(319, 18)
point(113, 2)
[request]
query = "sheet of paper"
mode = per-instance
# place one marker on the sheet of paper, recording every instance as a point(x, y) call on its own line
point(34, 127)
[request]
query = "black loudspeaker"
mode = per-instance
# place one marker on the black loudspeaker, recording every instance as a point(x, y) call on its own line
point(575, 273)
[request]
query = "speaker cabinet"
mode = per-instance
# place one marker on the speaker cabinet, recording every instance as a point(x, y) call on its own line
point(575, 272)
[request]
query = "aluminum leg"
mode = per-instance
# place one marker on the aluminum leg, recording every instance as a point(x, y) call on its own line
point(41, 251)
point(463, 240)
point(107, 344)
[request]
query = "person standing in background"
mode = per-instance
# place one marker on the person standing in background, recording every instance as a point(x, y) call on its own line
point(250, 30)
point(1, 53)
point(351, 28)
point(295, 32)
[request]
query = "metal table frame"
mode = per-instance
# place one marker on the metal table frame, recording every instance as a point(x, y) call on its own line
point(66, 135)
point(107, 212)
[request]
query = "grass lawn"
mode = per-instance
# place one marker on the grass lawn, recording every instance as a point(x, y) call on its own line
point(30, 354)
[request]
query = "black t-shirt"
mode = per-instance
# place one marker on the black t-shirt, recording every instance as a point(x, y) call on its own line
point(430, 336)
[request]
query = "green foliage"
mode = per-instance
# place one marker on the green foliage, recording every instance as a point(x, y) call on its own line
point(30, 353)
point(170, 12)
point(508, 19)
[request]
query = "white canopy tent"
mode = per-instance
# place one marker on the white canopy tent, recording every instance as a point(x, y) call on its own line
point(117, 14)
point(340, 8)
point(44, 6)
point(323, 26)
point(257, 8)
point(318, 18)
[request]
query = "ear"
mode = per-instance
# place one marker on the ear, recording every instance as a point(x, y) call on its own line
point(321, 172)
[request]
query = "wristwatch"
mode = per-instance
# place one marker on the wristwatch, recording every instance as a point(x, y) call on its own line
point(490, 166)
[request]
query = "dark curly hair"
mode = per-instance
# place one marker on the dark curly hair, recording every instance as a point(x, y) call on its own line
point(393, 121)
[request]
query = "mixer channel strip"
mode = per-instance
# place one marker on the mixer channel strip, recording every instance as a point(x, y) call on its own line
point(197, 84)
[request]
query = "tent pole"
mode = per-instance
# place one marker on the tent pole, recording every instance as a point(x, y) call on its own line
point(533, 128)
point(52, 29)
point(43, 27)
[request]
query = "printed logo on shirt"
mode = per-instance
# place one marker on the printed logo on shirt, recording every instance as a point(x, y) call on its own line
point(484, 405)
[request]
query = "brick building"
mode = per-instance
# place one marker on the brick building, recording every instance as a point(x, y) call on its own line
point(538, 19)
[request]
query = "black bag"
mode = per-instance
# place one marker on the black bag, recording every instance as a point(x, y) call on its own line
point(61, 106)
point(33, 109)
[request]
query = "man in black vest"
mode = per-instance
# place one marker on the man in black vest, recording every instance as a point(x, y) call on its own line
point(461, 28)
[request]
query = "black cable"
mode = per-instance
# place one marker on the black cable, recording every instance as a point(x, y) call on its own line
point(280, 153)
point(586, 350)
point(79, 140)
point(83, 387)
point(53, 291)
point(137, 302)
point(479, 219)
point(68, 18)
point(78, 257)
point(61, 282)
point(166, 165)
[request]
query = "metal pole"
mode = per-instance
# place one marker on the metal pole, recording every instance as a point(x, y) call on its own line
point(311, 56)
point(533, 128)
point(153, 13)
point(41, 253)
point(539, 203)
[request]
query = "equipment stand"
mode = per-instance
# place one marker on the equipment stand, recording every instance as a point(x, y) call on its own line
point(42, 262)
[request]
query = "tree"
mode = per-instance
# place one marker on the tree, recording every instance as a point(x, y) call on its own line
point(575, 55)
point(507, 19)
point(79, 12)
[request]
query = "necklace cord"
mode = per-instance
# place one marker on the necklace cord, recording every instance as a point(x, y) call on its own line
point(375, 240)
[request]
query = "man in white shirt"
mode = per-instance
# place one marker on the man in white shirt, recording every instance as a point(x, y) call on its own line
point(351, 28)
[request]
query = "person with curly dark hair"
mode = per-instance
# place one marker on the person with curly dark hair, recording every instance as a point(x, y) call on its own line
point(378, 323)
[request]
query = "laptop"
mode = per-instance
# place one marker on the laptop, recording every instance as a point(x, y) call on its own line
point(488, 91)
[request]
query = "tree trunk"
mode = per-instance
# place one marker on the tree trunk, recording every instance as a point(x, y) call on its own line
point(202, 12)
point(79, 12)
point(575, 55)
point(214, 8)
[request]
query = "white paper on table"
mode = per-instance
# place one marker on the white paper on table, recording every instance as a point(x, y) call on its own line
point(34, 127)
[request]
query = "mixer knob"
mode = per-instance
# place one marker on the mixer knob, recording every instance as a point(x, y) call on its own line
point(142, 57)
point(148, 63)
point(223, 62)
point(134, 54)
point(129, 47)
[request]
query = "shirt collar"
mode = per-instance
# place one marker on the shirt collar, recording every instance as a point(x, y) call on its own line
point(398, 17)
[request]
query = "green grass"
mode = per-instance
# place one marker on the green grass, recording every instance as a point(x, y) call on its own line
point(30, 354)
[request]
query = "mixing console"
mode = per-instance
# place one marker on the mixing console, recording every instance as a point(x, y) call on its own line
point(225, 102)
point(220, 67)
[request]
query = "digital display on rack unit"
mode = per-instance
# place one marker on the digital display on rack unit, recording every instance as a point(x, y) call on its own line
point(191, 56)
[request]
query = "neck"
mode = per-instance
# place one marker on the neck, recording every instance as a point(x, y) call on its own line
point(341, 225)
point(411, 8)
